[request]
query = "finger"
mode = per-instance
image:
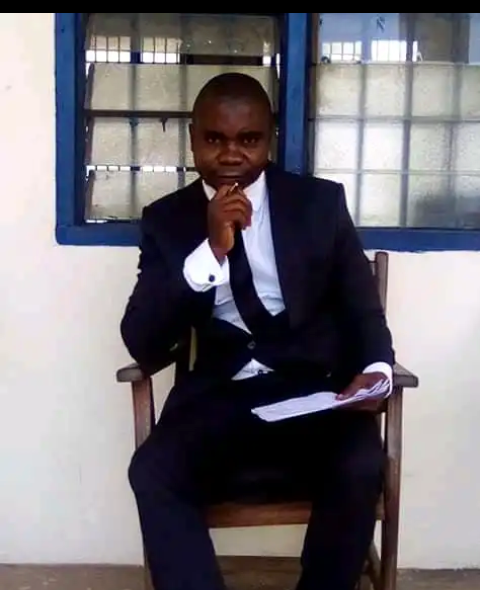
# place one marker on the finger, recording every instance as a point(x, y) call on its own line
point(224, 191)
point(237, 215)
point(349, 391)
point(237, 197)
point(363, 381)
point(238, 206)
point(237, 191)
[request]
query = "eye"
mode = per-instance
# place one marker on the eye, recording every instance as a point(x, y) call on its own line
point(250, 139)
point(213, 138)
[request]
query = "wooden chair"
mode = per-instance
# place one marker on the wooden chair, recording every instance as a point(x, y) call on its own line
point(381, 567)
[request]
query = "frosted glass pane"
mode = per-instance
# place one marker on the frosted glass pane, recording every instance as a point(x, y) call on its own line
point(468, 196)
point(122, 195)
point(468, 187)
point(157, 87)
point(429, 147)
point(470, 92)
point(336, 144)
point(430, 203)
point(363, 36)
point(338, 89)
point(149, 142)
point(382, 146)
point(468, 148)
point(385, 90)
point(436, 37)
point(433, 90)
point(349, 182)
point(187, 33)
point(380, 200)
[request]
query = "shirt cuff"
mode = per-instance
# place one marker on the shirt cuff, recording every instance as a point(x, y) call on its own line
point(384, 368)
point(202, 271)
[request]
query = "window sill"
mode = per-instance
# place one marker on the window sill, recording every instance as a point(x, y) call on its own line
point(114, 233)
point(420, 240)
point(126, 233)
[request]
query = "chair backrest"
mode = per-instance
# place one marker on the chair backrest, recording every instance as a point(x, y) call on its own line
point(379, 266)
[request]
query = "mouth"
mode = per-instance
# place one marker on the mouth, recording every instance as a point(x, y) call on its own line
point(230, 176)
point(227, 179)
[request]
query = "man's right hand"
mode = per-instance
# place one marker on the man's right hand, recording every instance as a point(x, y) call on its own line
point(227, 209)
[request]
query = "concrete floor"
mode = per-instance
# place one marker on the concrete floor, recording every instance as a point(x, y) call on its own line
point(240, 574)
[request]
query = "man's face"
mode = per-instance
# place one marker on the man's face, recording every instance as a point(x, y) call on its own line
point(230, 141)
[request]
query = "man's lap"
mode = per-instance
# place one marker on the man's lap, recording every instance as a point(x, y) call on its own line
point(215, 448)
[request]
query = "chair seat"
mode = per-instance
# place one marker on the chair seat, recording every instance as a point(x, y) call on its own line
point(262, 496)
point(236, 514)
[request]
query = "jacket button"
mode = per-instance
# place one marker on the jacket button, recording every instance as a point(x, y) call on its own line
point(251, 345)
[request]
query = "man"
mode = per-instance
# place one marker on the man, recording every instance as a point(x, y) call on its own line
point(268, 268)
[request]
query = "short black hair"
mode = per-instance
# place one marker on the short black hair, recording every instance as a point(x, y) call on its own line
point(232, 86)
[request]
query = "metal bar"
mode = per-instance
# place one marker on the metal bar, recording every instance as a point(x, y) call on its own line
point(141, 114)
point(294, 91)
point(135, 58)
point(411, 18)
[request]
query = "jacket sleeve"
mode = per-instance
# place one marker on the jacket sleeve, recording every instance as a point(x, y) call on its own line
point(358, 291)
point(162, 306)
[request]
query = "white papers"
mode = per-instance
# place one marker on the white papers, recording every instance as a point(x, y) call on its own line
point(316, 402)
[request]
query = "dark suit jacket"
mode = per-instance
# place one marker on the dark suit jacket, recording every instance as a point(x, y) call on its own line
point(327, 284)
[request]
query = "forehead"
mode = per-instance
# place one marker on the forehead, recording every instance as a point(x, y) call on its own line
point(231, 114)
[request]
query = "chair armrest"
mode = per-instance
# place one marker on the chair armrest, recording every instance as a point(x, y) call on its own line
point(133, 373)
point(403, 378)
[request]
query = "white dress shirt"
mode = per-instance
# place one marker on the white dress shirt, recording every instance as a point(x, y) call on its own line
point(203, 272)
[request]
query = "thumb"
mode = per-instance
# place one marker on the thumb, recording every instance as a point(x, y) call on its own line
point(351, 390)
point(223, 191)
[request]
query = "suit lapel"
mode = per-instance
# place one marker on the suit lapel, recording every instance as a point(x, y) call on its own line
point(287, 214)
point(194, 222)
point(287, 221)
point(194, 227)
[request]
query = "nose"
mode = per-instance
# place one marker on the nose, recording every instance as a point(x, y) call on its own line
point(230, 155)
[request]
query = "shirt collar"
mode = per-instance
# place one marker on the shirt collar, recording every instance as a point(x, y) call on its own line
point(256, 192)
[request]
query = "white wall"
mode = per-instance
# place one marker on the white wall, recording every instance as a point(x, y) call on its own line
point(65, 425)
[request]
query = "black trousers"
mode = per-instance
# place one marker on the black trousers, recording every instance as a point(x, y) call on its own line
point(195, 451)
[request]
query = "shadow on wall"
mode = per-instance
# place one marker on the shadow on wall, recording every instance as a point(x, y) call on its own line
point(446, 212)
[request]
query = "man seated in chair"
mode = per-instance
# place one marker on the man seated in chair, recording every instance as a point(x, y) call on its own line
point(268, 269)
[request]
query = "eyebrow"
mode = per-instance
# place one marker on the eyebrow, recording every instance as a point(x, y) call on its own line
point(241, 135)
point(250, 134)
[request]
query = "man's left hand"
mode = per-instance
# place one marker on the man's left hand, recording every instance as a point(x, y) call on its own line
point(364, 381)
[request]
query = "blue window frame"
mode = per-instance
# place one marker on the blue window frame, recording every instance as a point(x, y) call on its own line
point(294, 143)
point(71, 226)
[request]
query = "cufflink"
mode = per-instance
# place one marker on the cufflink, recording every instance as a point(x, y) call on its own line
point(211, 278)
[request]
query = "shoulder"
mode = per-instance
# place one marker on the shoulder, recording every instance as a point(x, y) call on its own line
point(169, 208)
point(313, 184)
point(317, 192)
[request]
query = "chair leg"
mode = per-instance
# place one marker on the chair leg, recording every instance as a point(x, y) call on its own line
point(389, 553)
point(390, 525)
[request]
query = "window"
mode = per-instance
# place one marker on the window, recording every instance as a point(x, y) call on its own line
point(386, 103)
point(125, 88)
point(396, 118)
point(144, 72)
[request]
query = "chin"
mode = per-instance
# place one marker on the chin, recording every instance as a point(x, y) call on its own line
point(219, 182)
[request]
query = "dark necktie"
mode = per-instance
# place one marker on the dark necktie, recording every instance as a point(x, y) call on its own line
point(256, 317)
